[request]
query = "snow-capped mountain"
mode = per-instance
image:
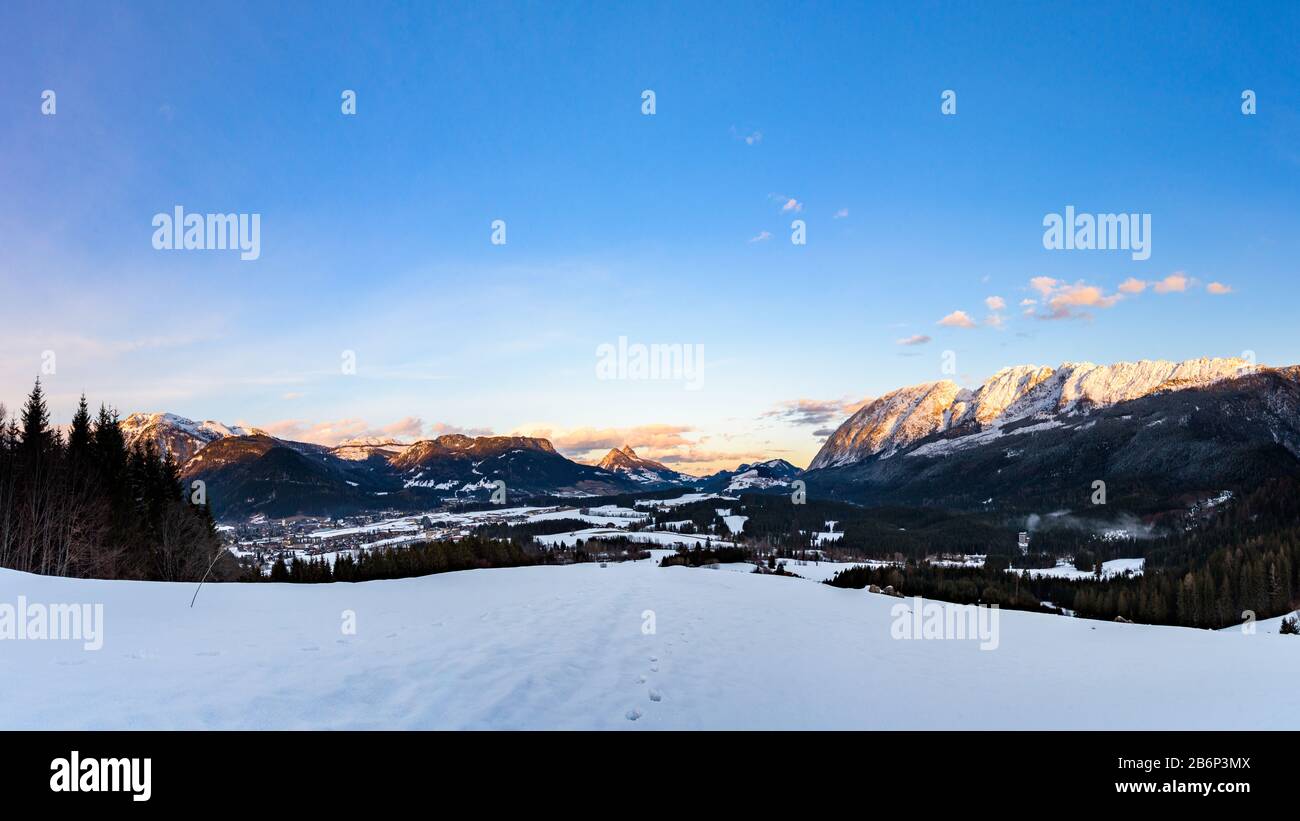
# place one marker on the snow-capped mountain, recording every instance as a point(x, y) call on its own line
point(773, 473)
point(624, 461)
point(902, 417)
point(181, 437)
point(1040, 438)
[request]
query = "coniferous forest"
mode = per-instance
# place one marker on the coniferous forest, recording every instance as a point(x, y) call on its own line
point(80, 503)
point(1244, 565)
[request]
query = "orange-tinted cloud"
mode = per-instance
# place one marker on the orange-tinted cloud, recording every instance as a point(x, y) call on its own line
point(1175, 283)
point(957, 319)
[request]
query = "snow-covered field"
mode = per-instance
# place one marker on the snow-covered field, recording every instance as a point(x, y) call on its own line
point(1067, 570)
point(665, 539)
point(568, 647)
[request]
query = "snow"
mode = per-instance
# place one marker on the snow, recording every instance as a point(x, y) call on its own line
point(684, 499)
point(947, 446)
point(608, 515)
point(564, 647)
point(735, 524)
point(966, 560)
point(1066, 570)
point(1269, 626)
point(751, 479)
point(650, 536)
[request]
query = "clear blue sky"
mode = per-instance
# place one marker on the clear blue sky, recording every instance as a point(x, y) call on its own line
point(375, 227)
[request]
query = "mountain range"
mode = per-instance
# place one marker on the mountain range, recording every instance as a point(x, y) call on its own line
point(248, 471)
point(1029, 437)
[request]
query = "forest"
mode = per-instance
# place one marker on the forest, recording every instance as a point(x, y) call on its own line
point(81, 503)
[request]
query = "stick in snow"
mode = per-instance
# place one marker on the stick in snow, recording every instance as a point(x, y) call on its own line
point(205, 575)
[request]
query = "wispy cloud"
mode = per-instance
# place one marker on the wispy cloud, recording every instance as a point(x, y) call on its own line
point(914, 339)
point(1061, 300)
point(841, 214)
point(815, 411)
point(788, 204)
point(1218, 288)
point(957, 319)
point(761, 236)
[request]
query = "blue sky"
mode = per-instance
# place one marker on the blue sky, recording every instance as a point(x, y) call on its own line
point(665, 229)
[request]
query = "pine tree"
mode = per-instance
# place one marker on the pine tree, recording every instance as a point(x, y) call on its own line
point(79, 434)
point(37, 438)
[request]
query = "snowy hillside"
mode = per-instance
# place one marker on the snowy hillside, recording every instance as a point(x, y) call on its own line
point(564, 647)
point(901, 417)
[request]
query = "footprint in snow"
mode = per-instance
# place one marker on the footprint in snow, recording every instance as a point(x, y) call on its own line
point(654, 668)
point(655, 695)
point(633, 715)
point(391, 636)
point(640, 679)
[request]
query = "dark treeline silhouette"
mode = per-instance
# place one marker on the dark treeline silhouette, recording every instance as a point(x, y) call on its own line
point(421, 559)
point(428, 558)
point(950, 584)
point(700, 556)
point(85, 505)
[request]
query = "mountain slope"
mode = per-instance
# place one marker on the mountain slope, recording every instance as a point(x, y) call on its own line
point(526, 464)
point(1051, 442)
point(248, 475)
point(645, 472)
point(902, 417)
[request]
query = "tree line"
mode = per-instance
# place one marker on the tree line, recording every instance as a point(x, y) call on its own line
point(84, 504)
point(420, 559)
point(1243, 564)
